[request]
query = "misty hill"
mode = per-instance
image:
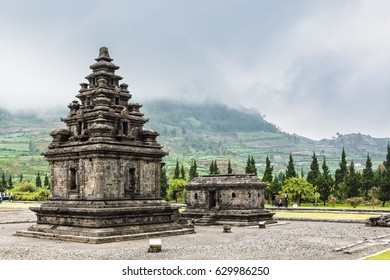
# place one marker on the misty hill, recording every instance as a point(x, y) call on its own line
point(193, 131)
point(207, 117)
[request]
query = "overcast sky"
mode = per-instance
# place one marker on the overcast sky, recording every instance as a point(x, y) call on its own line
point(314, 68)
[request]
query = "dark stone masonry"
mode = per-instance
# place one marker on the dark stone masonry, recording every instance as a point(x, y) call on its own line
point(105, 169)
point(234, 199)
point(381, 221)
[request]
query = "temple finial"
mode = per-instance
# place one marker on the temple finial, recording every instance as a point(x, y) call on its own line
point(103, 54)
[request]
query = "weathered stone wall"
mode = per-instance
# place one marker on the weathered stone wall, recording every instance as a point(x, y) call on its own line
point(105, 178)
point(245, 198)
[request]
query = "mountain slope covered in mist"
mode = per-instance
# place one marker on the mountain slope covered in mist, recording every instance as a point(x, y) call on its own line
point(193, 131)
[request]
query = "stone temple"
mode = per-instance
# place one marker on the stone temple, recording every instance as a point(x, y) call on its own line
point(232, 199)
point(105, 169)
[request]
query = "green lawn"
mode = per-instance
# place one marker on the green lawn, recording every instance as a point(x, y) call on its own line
point(382, 256)
point(321, 215)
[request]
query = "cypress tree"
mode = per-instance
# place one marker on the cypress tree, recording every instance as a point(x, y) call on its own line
point(176, 174)
point(290, 172)
point(182, 172)
point(384, 190)
point(253, 166)
point(267, 176)
point(10, 183)
point(212, 168)
point(340, 176)
point(325, 183)
point(250, 166)
point(21, 178)
point(46, 181)
point(314, 172)
point(216, 169)
point(352, 182)
point(38, 181)
point(229, 168)
point(4, 185)
point(368, 179)
point(193, 170)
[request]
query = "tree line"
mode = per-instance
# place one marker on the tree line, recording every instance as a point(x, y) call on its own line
point(347, 185)
point(21, 185)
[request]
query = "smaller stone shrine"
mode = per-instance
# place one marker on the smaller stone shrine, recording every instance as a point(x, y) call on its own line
point(105, 169)
point(234, 199)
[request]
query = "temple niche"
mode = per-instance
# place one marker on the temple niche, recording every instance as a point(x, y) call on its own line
point(105, 169)
point(233, 199)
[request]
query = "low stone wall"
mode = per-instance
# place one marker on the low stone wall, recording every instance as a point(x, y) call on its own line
point(383, 221)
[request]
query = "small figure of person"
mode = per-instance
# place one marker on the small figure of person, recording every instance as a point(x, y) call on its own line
point(273, 199)
point(11, 196)
point(280, 202)
point(285, 199)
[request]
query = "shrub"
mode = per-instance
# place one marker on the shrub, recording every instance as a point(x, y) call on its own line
point(42, 193)
point(355, 201)
point(332, 200)
point(25, 187)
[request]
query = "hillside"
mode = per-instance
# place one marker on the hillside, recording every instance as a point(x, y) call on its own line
point(188, 131)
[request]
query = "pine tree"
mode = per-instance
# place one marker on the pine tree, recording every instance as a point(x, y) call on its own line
point(267, 176)
point(38, 181)
point(176, 174)
point(212, 168)
point(340, 176)
point(10, 183)
point(46, 181)
point(384, 190)
point(4, 185)
point(352, 182)
point(325, 183)
point(250, 166)
point(21, 178)
point(368, 179)
point(253, 166)
point(193, 170)
point(314, 173)
point(229, 168)
point(182, 172)
point(216, 169)
point(290, 172)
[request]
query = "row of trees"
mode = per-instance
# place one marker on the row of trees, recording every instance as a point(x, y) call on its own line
point(318, 184)
point(9, 183)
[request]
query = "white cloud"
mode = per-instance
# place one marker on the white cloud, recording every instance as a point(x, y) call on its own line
point(313, 67)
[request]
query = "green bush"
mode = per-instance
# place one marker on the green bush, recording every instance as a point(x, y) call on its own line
point(38, 195)
point(42, 193)
point(25, 187)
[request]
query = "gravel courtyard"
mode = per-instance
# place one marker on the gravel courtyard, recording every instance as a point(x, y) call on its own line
point(292, 240)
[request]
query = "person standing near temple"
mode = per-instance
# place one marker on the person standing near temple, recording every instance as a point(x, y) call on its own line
point(286, 199)
point(273, 199)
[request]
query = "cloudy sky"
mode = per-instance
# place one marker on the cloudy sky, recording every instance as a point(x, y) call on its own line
point(314, 68)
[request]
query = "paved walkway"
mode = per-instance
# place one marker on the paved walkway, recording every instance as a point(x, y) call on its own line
point(300, 240)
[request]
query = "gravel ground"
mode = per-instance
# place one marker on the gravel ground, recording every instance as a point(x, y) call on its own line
point(292, 240)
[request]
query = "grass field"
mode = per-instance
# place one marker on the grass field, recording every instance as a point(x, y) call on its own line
point(381, 256)
point(7, 204)
point(324, 215)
